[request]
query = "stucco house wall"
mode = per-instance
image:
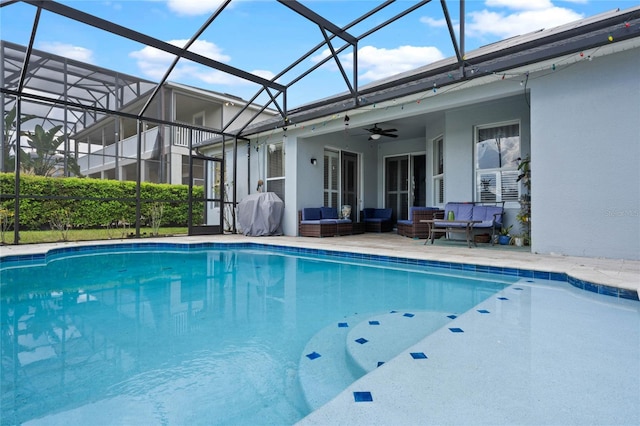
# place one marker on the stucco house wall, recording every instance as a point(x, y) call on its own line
point(585, 127)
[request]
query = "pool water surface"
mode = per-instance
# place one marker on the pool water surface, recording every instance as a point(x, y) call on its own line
point(198, 336)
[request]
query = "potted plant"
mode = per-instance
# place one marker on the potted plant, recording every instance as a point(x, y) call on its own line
point(524, 215)
point(518, 240)
point(505, 237)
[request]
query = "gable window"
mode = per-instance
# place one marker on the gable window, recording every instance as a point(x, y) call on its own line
point(275, 169)
point(438, 171)
point(497, 149)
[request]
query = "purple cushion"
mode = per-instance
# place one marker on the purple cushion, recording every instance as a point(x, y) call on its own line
point(461, 211)
point(483, 224)
point(485, 213)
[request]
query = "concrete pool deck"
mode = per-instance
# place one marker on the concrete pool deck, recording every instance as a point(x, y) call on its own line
point(536, 353)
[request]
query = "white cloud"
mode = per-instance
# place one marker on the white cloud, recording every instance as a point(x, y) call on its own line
point(376, 63)
point(436, 23)
point(115, 6)
point(528, 16)
point(68, 51)
point(193, 7)
point(154, 62)
point(520, 4)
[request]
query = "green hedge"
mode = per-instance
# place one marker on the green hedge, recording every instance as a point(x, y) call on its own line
point(92, 203)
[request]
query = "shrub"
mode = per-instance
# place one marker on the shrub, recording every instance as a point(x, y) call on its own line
point(95, 203)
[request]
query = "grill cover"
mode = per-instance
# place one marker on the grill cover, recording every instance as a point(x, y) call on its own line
point(261, 214)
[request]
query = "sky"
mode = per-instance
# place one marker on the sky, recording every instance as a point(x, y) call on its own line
point(264, 37)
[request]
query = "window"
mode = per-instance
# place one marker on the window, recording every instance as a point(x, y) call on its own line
point(497, 152)
point(275, 169)
point(198, 119)
point(438, 171)
point(198, 171)
point(331, 190)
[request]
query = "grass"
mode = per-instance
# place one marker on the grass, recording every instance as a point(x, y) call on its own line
point(52, 236)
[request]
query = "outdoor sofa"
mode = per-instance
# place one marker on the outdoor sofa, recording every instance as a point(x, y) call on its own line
point(322, 222)
point(412, 227)
point(377, 220)
point(458, 218)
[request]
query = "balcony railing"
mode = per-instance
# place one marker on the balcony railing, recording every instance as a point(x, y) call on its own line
point(127, 148)
point(181, 136)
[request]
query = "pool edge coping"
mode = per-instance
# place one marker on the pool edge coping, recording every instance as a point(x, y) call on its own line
point(586, 285)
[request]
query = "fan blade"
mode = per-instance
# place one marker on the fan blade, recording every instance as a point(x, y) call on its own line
point(389, 130)
point(390, 135)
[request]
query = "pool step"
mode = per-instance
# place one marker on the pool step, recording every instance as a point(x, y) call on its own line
point(344, 351)
point(323, 370)
point(373, 342)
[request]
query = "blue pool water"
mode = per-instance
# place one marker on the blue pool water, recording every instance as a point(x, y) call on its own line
point(198, 336)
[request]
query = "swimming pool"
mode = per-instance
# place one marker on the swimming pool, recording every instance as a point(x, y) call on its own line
point(187, 335)
point(217, 336)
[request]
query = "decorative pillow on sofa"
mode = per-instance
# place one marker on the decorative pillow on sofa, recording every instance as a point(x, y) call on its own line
point(329, 212)
point(311, 213)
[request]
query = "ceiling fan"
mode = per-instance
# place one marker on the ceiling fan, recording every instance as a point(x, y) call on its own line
point(376, 132)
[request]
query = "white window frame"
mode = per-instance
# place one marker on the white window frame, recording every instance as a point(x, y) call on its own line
point(492, 184)
point(437, 176)
point(332, 160)
point(275, 149)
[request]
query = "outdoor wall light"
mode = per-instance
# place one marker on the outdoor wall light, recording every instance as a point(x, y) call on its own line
point(314, 161)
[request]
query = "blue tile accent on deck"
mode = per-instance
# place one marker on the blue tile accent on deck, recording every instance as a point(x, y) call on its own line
point(456, 330)
point(452, 316)
point(361, 340)
point(313, 355)
point(408, 315)
point(483, 311)
point(343, 324)
point(362, 396)
point(19, 260)
point(418, 355)
point(374, 322)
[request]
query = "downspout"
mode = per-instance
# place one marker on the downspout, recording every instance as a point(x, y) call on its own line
point(462, 51)
point(235, 189)
point(249, 167)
